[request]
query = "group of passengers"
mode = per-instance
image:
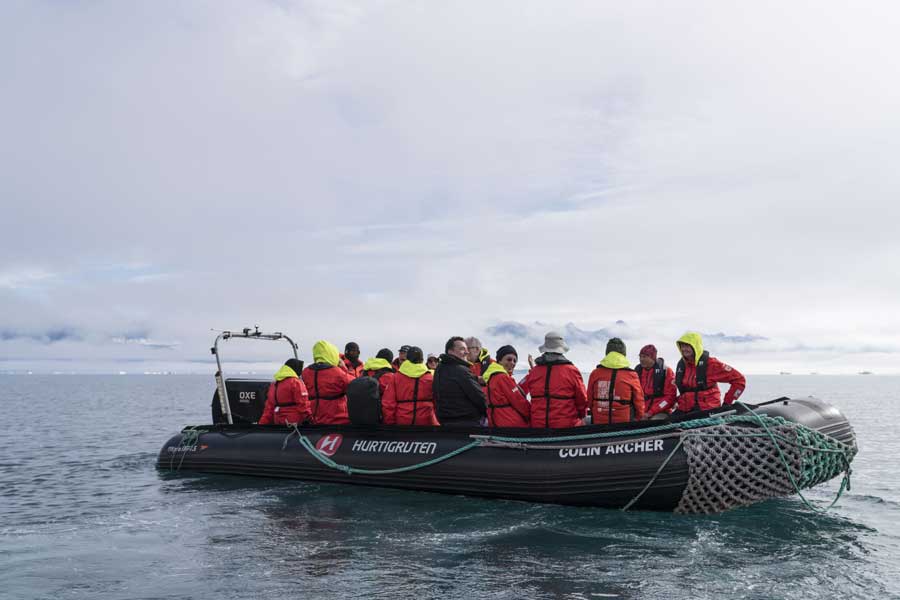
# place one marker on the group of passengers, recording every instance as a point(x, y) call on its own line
point(466, 386)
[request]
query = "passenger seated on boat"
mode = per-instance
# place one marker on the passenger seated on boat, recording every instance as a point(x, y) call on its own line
point(558, 398)
point(658, 383)
point(401, 356)
point(457, 394)
point(408, 399)
point(698, 375)
point(479, 357)
point(615, 389)
point(506, 402)
point(287, 400)
point(380, 368)
point(327, 385)
point(350, 359)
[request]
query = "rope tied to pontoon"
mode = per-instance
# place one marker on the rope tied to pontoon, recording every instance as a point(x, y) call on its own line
point(730, 461)
point(327, 461)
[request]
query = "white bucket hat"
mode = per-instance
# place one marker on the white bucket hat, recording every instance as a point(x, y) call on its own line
point(554, 342)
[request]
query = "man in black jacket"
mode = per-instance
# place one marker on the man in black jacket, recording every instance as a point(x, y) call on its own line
point(458, 396)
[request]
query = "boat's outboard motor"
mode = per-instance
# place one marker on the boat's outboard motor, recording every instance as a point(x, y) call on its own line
point(364, 401)
point(246, 397)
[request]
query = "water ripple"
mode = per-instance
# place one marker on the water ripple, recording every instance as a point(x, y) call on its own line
point(84, 514)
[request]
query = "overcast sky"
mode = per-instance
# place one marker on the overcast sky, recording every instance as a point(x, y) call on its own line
point(399, 172)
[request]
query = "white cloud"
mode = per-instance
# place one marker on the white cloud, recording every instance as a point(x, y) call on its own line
point(394, 172)
point(25, 278)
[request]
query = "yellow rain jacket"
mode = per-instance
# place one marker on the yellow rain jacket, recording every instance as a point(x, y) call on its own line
point(695, 341)
point(284, 372)
point(615, 360)
point(414, 370)
point(326, 352)
point(375, 364)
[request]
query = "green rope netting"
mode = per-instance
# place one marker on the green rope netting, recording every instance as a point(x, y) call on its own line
point(828, 457)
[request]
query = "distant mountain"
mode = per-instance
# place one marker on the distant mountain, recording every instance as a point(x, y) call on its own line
point(508, 329)
point(47, 336)
point(734, 339)
point(514, 331)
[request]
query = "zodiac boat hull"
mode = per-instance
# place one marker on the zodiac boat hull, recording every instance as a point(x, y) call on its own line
point(645, 465)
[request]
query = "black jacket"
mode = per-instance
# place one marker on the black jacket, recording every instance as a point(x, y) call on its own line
point(457, 394)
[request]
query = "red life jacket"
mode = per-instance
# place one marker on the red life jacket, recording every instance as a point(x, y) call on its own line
point(327, 387)
point(287, 401)
point(558, 399)
point(480, 367)
point(384, 377)
point(506, 402)
point(355, 371)
point(698, 385)
point(409, 401)
point(659, 379)
point(658, 384)
point(616, 396)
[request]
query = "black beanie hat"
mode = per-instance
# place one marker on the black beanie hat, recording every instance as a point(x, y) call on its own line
point(504, 350)
point(351, 346)
point(386, 354)
point(415, 354)
point(295, 364)
point(615, 345)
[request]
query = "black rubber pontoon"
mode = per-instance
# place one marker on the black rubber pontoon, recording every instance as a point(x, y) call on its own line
point(644, 465)
point(701, 463)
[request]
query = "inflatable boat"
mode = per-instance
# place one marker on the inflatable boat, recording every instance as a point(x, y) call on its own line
point(705, 462)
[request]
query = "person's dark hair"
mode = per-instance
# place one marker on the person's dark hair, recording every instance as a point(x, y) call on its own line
point(504, 350)
point(295, 364)
point(386, 354)
point(449, 345)
point(415, 354)
point(351, 346)
point(615, 345)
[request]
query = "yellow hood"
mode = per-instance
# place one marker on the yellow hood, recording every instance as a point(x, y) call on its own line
point(414, 370)
point(374, 364)
point(615, 360)
point(284, 372)
point(483, 354)
point(695, 341)
point(493, 368)
point(326, 352)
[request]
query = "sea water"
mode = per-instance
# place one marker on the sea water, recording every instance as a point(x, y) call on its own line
point(85, 514)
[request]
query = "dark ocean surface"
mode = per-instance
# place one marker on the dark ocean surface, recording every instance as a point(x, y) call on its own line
point(84, 514)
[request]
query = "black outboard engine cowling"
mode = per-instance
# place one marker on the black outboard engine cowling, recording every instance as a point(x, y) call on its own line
point(246, 397)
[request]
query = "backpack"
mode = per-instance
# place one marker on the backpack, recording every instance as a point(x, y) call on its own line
point(364, 401)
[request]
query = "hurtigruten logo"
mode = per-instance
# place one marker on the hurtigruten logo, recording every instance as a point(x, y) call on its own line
point(394, 447)
point(329, 444)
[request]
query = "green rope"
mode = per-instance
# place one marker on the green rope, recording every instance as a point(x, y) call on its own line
point(655, 475)
point(845, 481)
point(705, 422)
point(325, 460)
point(803, 432)
point(487, 439)
point(812, 471)
point(812, 474)
point(189, 437)
point(693, 424)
